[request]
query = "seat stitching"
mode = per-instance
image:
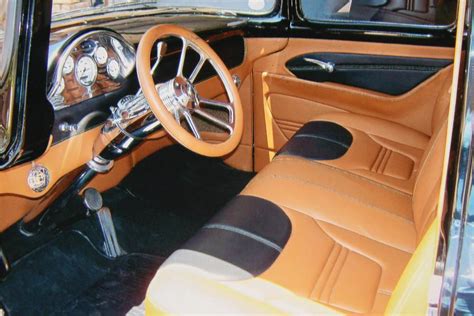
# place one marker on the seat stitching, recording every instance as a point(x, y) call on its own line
point(245, 233)
point(323, 138)
point(377, 158)
point(317, 221)
point(282, 158)
point(344, 228)
point(357, 252)
point(385, 161)
point(335, 247)
point(376, 139)
point(276, 124)
point(350, 197)
point(338, 274)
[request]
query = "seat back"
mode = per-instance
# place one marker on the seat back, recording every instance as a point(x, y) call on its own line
point(428, 182)
point(411, 293)
point(440, 110)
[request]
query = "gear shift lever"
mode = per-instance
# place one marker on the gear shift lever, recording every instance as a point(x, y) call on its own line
point(93, 201)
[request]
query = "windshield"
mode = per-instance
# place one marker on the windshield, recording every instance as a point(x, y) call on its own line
point(66, 9)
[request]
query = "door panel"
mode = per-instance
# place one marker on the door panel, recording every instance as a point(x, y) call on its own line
point(283, 102)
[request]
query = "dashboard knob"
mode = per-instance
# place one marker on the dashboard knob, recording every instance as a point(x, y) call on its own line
point(65, 127)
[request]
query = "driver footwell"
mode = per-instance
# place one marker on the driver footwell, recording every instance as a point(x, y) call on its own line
point(161, 204)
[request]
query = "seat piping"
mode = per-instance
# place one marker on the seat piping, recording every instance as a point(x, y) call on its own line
point(245, 233)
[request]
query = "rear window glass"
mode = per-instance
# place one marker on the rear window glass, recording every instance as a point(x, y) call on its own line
point(412, 12)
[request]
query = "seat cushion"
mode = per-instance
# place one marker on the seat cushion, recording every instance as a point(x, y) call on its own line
point(340, 198)
point(317, 271)
point(248, 233)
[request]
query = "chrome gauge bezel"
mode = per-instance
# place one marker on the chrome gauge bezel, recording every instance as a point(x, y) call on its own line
point(124, 53)
point(93, 68)
point(62, 85)
point(68, 65)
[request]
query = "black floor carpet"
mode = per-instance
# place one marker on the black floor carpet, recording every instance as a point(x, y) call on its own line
point(161, 204)
point(168, 197)
point(69, 276)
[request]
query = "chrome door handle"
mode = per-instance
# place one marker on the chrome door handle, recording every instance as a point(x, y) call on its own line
point(327, 66)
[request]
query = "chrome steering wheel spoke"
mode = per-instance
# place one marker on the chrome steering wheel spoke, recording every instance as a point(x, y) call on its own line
point(197, 68)
point(192, 125)
point(182, 58)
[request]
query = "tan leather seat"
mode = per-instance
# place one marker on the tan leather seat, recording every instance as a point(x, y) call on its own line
point(380, 150)
point(315, 236)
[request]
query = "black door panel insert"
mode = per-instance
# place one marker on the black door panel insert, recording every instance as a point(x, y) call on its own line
point(386, 74)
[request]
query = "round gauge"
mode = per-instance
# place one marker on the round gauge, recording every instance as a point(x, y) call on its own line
point(113, 69)
point(86, 71)
point(68, 65)
point(101, 55)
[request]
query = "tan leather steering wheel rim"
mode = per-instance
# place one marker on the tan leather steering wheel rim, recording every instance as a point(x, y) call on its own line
point(168, 119)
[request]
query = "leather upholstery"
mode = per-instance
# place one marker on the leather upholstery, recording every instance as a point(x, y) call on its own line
point(283, 103)
point(248, 233)
point(356, 223)
point(319, 140)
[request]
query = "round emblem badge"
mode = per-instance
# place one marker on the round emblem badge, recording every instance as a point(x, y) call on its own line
point(38, 178)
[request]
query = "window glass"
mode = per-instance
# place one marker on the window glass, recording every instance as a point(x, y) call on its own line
point(7, 26)
point(8, 42)
point(3, 16)
point(414, 12)
point(64, 9)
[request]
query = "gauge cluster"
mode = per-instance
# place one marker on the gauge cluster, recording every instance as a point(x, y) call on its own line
point(89, 65)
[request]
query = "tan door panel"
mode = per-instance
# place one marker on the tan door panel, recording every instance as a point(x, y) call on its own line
point(283, 102)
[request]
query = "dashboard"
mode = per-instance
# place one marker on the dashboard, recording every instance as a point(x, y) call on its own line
point(89, 65)
point(90, 70)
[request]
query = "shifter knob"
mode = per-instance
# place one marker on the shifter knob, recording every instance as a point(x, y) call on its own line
point(92, 199)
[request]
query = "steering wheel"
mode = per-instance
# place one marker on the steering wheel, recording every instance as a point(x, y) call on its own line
point(178, 99)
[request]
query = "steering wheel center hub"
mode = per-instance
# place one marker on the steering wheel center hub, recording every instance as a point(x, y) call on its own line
point(178, 93)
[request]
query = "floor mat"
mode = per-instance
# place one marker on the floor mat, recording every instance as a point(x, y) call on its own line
point(68, 275)
point(121, 289)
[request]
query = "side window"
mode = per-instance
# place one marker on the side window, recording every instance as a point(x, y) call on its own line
point(430, 13)
point(8, 41)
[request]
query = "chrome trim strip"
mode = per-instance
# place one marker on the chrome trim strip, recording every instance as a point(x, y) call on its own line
point(460, 242)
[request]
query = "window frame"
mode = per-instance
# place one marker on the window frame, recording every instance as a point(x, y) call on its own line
point(373, 24)
point(10, 41)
